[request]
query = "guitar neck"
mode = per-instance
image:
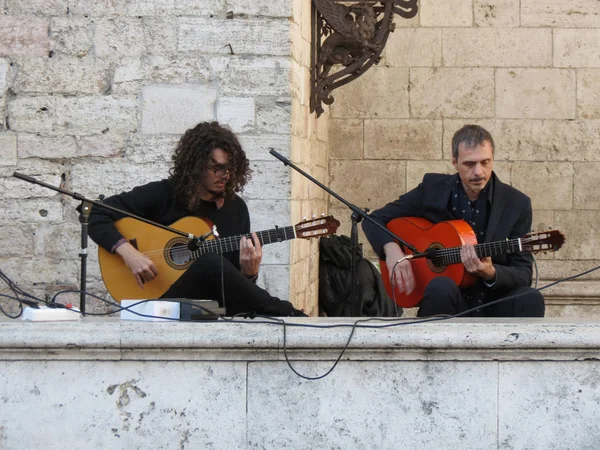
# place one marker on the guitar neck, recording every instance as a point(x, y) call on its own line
point(232, 243)
point(483, 250)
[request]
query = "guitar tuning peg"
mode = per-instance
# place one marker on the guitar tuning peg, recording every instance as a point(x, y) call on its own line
point(304, 218)
point(322, 214)
point(314, 215)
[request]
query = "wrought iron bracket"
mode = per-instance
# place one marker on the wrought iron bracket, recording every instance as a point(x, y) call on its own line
point(350, 34)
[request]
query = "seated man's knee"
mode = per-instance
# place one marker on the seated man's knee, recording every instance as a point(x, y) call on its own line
point(441, 286)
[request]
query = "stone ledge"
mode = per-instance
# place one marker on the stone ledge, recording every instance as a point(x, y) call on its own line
point(456, 339)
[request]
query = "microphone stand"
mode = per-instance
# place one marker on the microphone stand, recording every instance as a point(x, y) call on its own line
point(356, 217)
point(86, 207)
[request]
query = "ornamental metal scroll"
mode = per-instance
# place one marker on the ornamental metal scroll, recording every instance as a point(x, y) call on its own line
point(350, 34)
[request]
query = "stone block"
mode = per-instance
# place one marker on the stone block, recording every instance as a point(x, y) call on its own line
point(37, 7)
point(458, 92)
point(492, 47)
point(206, 8)
point(30, 210)
point(270, 181)
point(142, 149)
point(400, 139)
point(8, 149)
point(415, 170)
point(496, 13)
point(262, 8)
point(414, 47)
point(27, 36)
point(346, 138)
point(45, 271)
point(561, 268)
point(560, 14)
point(72, 36)
point(577, 48)
point(72, 115)
point(275, 279)
point(379, 93)
point(18, 243)
point(252, 76)
point(4, 74)
point(549, 140)
point(257, 147)
point(586, 181)
point(66, 75)
point(588, 96)
point(102, 145)
point(273, 115)
point(160, 35)
point(439, 13)
point(549, 184)
point(237, 113)
point(535, 94)
point(113, 176)
point(266, 215)
point(366, 183)
point(118, 38)
point(34, 146)
point(174, 109)
point(245, 36)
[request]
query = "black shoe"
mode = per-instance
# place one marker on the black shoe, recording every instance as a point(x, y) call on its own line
point(297, 313)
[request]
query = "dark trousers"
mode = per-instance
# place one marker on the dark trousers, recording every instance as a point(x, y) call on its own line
point(443, 296)
point(211, 276)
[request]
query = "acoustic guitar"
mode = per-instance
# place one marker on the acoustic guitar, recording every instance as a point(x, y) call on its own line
point(448, 238)
point(172, 257)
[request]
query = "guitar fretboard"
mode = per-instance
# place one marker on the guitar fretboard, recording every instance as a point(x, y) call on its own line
point(451, 255)
point(232, 243)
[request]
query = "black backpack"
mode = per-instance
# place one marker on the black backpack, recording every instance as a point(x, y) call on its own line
point(335, 282)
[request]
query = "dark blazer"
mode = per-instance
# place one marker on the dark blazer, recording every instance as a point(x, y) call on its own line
point(510, 217)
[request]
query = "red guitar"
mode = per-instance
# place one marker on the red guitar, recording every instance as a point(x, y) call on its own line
point(451, 236)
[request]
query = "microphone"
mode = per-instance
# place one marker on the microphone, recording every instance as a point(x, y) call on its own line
point(194, 244)
point(430, 253)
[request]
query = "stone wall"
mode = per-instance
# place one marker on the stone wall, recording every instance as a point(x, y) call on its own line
point(95, 95)
point(528, 71)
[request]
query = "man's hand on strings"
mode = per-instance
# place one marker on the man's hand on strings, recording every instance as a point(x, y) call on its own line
point(141, 266)
point(481, 267)
point(250, 255)
point(404, 280)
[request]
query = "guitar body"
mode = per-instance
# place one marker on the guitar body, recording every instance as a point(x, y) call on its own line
point(167, 250)
point(422, 234)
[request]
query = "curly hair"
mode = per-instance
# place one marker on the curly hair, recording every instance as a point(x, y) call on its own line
point(192, 157)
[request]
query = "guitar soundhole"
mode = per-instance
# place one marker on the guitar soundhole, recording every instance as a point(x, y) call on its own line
point(177, 254)
point(436, 265)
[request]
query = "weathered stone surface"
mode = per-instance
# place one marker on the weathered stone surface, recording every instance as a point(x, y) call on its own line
point(414, 47)
point(246, 36)
point(30, 210)
point(557, 13)
point(119, 37)
point(23, 36)
point(366, 183)
point(275, 279)
point(273, 115)
point(434, 13)
point(252, 75)
point(496, 13)
point(582, 230)
point(142, 149)
point(577, 48)
point(257, 147)
point(15, 188)
point(549, 184)
point(535, 93)
point(38, 7)
point(491, 47)
point(403, 139)
point(548, 140)
point(238, 113)
point(585, 190)
point(62, 76)
point(207, 8)
point(346, 138)
point(588, 96)
point(8, 149)
point(184, 105)
point(381, 92)
point(17, 241)
point(72, 115)
point(266, 215)
point(270, 181)
point(31, 145)
point(103, 145)
point(451, 126)
point(160, 35)
point(415, 170)
point(560, 268)
point(458, 92)
point(72, 36)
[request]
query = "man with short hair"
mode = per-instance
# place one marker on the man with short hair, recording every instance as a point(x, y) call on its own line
point(495, 211)
point(209, 168)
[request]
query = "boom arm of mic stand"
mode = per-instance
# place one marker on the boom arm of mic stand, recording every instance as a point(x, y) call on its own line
point(354, 208)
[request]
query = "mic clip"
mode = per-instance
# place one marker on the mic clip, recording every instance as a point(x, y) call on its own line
point(195, 242)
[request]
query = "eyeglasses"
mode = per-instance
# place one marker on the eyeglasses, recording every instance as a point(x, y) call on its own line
point(221, 171)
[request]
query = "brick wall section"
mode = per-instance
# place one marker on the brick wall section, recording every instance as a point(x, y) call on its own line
point(95, 94)
point(528, 71)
